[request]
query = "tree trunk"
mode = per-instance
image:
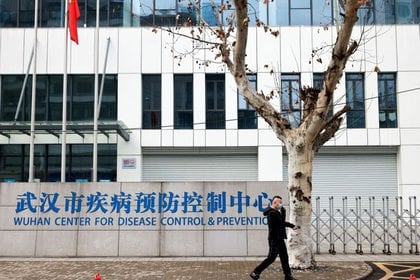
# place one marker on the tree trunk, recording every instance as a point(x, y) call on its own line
point(301, 157)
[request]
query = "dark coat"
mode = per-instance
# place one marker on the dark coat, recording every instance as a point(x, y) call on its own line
point(277, 223)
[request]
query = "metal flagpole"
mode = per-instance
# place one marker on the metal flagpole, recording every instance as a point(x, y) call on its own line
point(33, 99)
point(64, 117)
point(95, 102)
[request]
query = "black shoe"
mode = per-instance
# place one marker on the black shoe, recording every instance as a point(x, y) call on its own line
point(289, 277)
point(254, 275)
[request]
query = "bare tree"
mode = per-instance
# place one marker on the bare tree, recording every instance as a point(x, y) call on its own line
point(229, 41)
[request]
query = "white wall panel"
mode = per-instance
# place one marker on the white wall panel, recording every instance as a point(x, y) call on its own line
point(357, 137)
point(322, 41)
point(386, 46)
point(167, 54)
point(82, 56)
point(408, 99)
point(151, 51)
point(232, 137)
point(410, 136)
point(409, 155)
point(183, 49)
point(199, 55)
point(306, 48)
point(12, 51)
point(251, 49)
point(129, 50)
point(199, 138)
point(183, 138)
point(408, 47)
point(390, 136)
point(42, 49)
point(248, 137)
point(371, 100)
point(215, 137)
point(290, 49)
point(167, 101)
point(56, 51)
point(167, 138)
point(267, 137)
point(151, 138)
point(373, 136)
point(231, 101)
point(270, 162)
point(199, 111)
point(112, 63)
point(268, 44)
point(356, 62)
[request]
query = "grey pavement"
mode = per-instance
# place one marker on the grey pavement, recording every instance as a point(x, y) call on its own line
point(345, 266)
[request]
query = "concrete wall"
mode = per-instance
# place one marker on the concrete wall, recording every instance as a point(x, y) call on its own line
point(106, 235)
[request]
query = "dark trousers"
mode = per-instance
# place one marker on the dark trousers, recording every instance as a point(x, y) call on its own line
point(277, 247)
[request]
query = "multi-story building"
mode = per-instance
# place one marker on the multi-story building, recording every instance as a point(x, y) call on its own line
point(163, 118)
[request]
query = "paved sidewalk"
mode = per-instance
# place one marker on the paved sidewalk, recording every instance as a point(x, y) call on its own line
point(330, 267)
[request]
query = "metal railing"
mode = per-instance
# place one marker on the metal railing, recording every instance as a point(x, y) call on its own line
point(366, 224)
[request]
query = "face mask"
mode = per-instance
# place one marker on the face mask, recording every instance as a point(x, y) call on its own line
point(279, 206)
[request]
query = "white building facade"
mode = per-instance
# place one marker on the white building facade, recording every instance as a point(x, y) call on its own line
point(165, 119)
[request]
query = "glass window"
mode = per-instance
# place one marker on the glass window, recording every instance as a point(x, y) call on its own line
point(384, 11)
point(215, 101)
point(404, 11)
point(187, 13)
point(152, 101)
point(247, 117)
point(207, 12)
point(290, 99)
point(146, 13)
point(82, 95)
point(11, 163)
point(318, 82)
point(366, 14)
point(257, 10)
point(322, 12)
point(107, 162)
point(278, 13)
point(355, 100)
point(11, 86)
point(165, 12)
point(55, 98)
point(54, 163)
point(183, 101)
point(26, 13)
point(52, 12)
point(109, 98)
point(387, 100)
point(8, 13)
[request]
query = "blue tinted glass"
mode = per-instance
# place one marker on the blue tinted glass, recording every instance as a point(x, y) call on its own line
point(278, 13)
point(384, 11)
point(404, 11)
point(322, 12)
point(300, 17)
point(257, 10)
point(8, 13)
point(207, 11)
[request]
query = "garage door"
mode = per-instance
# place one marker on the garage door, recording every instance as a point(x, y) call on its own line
point(200, 165)
point(352, 174)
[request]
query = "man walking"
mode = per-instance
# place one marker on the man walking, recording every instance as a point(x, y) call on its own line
point(276, 218)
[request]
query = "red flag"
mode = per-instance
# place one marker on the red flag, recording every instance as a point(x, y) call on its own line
point(74, 14)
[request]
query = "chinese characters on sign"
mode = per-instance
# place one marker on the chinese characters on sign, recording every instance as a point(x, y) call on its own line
point(141, 209)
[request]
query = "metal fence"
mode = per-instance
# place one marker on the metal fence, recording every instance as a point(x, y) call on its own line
point(366, 224)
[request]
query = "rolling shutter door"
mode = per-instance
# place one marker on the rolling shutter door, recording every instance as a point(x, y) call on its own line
point(209, 165)
point(353, 174)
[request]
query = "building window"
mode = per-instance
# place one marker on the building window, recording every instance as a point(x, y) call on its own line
point(48, 98)
point(355, 96)
point(152, 88)
point(290, 98)
point(387, 100)
point(318, 83)
point(215, 101)
point(247, 117)
point(183, 101)
point(14, 162)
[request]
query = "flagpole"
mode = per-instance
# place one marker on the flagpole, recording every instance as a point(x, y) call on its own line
point(95, 102)
point(33, 99)
point(64, 117)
